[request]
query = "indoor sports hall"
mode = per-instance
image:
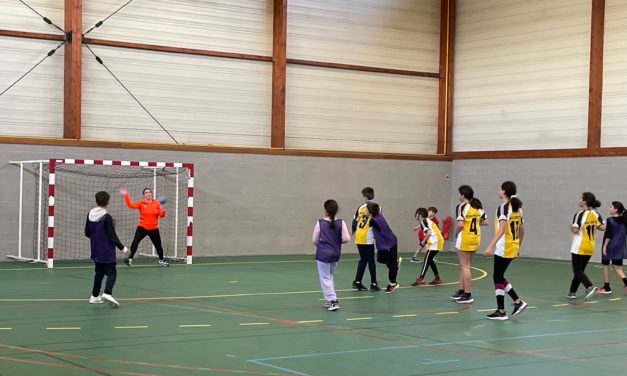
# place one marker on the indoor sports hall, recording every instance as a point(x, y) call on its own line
point(232, 135)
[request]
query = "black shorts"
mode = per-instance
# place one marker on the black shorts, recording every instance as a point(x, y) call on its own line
point(614, 262)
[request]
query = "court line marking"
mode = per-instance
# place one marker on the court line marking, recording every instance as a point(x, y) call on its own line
point(93, 359)
point(283, 369)
point(6, 328)
point(615, 299)
point(157, 298)
point(447, 313)
point(438, 344)
point(194, 325)
point(309, 321)
point(91, 266)
point(131, 327)
point(253, 323)
point(64, 328)
point(358, 318)
point(561, 305)
point(353, 297)
point(406, 315)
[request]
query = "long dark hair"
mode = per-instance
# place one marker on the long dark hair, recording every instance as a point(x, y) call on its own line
point(469, 194)
point(620, 209)
point(509, 187)
point(590, 200)
point(422, 212)
point(331, 207)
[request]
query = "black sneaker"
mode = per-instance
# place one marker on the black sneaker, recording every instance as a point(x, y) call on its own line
point(457, 295)
point(374, 287)
point(497, 315)
point(391, 288)
point(359, 286)
point(465, 299)
point(518, 308)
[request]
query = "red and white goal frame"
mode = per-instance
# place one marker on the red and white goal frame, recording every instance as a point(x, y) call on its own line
point(51, 194)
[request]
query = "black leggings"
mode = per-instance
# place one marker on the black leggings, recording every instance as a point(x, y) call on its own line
point(429, 263)
point(579, 266)
point(154, 236)
point(501, 284)
point(390, 259)
point(101, 270)
point(366, 258)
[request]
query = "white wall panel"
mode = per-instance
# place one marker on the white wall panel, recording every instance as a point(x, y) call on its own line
point(401, 34)
point(614, 120)
point(16, 16)
point(521, 74)
point(223, 25)
point(334, 109)
point(200, 100)
point(34, 106)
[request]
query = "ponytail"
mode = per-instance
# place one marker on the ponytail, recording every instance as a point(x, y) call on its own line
point(331, 208)
point(475, 203)
point(516, 203)
point(590, 200)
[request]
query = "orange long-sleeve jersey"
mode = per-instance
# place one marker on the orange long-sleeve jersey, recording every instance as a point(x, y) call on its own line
point(149, 212)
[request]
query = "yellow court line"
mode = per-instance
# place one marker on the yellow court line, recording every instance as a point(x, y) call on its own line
point(358, 318)
point(64, 328)
point(253, 323)
point(447, 313)
point(615, 299)
point(309, 321)
point(592, 302)
point(485, 310)
point(131, 327)
point(194, 325)
point(561, 305)
point(407, 315)
point(6, 328)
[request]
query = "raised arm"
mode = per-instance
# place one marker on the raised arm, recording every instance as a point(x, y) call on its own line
point(127, 200)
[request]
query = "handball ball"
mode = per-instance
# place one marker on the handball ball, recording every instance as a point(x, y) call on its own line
point(162, 199)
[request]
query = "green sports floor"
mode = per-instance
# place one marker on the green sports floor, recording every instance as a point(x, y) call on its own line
point(264, 316)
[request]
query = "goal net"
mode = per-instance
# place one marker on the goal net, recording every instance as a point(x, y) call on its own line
point(64, 194)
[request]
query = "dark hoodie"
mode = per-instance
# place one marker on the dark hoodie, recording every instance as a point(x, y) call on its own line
point(101, 233)
point(616, 231)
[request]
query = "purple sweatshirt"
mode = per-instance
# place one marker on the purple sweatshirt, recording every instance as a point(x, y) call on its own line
point(384, 238)
point(102, 237)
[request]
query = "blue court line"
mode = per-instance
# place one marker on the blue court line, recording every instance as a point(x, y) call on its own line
point(290, 371)
point(262, 361)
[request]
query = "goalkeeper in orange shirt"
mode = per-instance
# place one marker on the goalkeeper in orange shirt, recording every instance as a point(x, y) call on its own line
point(150, 210)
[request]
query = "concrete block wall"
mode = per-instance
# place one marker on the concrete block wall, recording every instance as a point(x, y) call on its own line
point(550, 189)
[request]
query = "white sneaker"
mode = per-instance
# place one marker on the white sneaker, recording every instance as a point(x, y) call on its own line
point(334, 306)
point(164, 263)
point(590, 292)
point(95, 300)
point(112, 302)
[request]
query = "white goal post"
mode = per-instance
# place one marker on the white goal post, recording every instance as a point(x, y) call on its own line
point(69, 186)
